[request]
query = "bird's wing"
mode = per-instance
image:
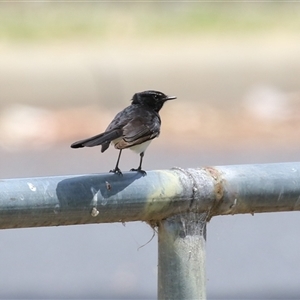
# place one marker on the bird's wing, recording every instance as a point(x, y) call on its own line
point(132, 126)
point(112, 132)
point(138, 130)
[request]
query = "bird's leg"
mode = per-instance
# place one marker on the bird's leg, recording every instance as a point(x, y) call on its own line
point(116, 170)
point(139, 169)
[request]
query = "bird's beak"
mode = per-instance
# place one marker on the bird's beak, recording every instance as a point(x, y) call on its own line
point(170, 98)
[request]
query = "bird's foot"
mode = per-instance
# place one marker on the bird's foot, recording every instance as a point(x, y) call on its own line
point(116, 171)
point(139, 170)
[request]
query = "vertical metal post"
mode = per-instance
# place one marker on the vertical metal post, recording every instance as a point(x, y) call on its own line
point(181, 257)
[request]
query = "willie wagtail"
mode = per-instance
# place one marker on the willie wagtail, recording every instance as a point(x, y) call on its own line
point(134, 127)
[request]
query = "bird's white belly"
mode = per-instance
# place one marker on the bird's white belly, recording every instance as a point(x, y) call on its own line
point(141, 147)
point(137, 148)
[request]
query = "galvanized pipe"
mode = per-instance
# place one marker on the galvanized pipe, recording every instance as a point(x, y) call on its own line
point(99, 198)
point(96, 198)
point(181, 257)
point(257, 188)
point(179, 202)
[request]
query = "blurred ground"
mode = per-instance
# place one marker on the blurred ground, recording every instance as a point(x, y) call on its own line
point(249, 95)
point(66, 70)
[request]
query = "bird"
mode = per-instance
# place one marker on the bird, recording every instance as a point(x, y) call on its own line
point(134, 127)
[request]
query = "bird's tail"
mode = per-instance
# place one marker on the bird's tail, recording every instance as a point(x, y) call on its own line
point(103, 139)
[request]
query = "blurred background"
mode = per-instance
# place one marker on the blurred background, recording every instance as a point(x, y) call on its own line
point(67, 68)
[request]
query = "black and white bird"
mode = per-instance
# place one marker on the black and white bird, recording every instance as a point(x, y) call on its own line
point(134, 127)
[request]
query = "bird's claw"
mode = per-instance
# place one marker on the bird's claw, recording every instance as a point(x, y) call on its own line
point(116, 171)
point(139, 170)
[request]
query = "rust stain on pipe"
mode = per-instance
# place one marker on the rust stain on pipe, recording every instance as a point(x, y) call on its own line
point(218, 189)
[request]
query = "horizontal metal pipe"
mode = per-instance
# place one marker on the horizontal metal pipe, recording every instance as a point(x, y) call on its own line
point(100, 198)
point(96, 198)
point(258, 188)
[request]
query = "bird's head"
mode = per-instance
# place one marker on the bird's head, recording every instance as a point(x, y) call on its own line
point(152, 99)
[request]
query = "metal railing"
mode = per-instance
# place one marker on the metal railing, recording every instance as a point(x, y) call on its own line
point(179, 202)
